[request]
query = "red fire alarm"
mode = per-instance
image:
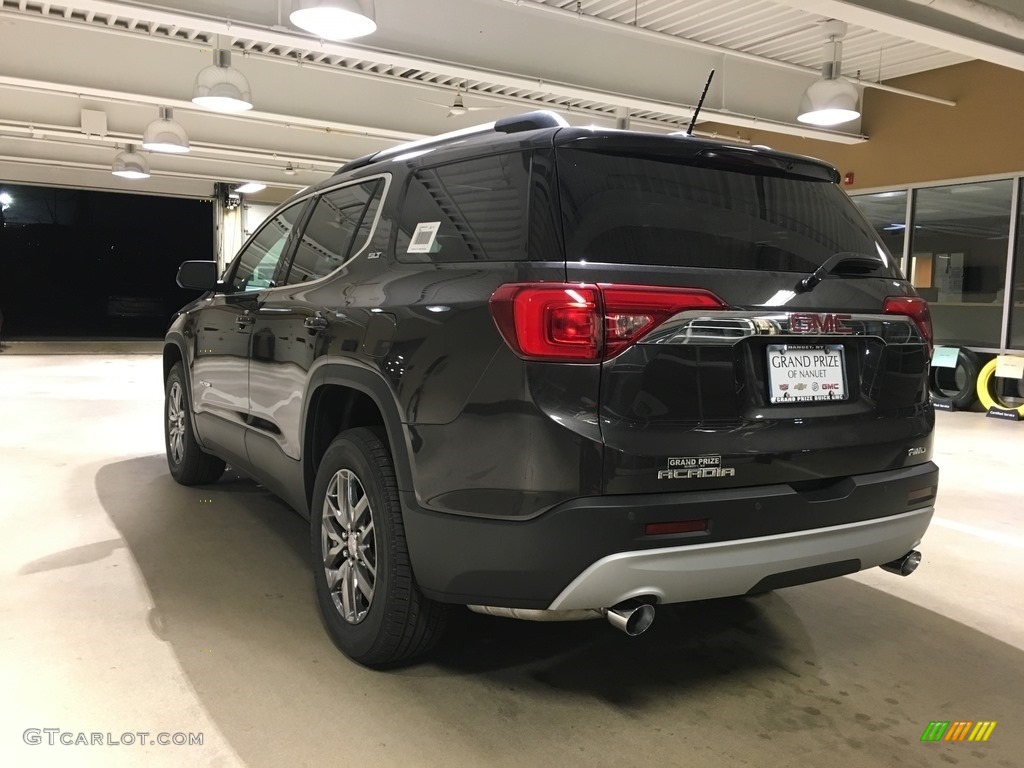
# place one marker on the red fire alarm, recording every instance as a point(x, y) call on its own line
point(848, 178)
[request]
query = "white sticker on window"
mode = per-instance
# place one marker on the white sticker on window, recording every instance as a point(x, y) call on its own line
point(423, 237)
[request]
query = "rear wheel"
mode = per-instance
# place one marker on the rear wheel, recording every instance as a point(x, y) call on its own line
point(368, 597)
point(189, 464)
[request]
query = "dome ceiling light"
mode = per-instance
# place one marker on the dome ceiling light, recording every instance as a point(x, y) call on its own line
point(165, 134)
point(249, 187)
point(220, 87)
point(335, 19)
point(830, 100)
point(129, 164)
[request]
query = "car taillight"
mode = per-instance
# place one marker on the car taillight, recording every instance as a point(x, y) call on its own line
point(581, 322)
point(916, 309)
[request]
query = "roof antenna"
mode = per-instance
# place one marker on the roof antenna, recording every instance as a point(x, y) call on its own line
point(700, 103)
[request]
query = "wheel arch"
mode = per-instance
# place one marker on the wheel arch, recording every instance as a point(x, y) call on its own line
point(174, 352)
point(342, 396)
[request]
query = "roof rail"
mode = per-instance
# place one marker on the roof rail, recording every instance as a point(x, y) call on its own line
point(528, 121)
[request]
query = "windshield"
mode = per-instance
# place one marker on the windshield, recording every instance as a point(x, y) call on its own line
point(635, 209)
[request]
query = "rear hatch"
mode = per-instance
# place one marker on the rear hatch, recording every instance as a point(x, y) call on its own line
point(772, 338)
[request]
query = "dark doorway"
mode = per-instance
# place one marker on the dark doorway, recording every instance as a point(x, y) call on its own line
point(78, 263)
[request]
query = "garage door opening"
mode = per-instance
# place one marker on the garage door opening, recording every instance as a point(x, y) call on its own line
point(83, 264)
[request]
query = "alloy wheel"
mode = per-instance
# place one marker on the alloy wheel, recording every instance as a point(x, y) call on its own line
point(349, 546)
point(176, 423)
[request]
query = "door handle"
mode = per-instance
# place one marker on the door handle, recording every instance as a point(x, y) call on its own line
point(244, 321)
point(316, 322)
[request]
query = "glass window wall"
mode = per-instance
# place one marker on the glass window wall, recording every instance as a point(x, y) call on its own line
point(958, 259)
point(1017, 280)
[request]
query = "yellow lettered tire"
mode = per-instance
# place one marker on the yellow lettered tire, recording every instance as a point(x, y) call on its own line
point(986, 389)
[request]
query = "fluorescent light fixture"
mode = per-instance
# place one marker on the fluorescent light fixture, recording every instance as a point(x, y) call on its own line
point(249, 187)
point(830, 100)
point(129, 164)
point(335, 19)
point(220, 87)
point(165, 134)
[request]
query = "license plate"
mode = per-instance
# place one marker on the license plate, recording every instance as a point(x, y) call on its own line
point(801, 374)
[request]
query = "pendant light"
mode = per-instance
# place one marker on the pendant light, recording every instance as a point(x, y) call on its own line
point(165, 134)
point(830, 100)
point(221, 87)
point(129, 164)
point(335, 19)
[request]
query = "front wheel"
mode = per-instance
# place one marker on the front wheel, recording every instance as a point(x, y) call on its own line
point(368, 597)
point(187, 461)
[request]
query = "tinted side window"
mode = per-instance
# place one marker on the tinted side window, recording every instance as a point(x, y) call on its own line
point(338, 229)
point(470, 210)
point(258, 260)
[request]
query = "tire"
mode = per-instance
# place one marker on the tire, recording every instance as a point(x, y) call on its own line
point(368, 598)
point(956, 386)
point(986, 389)
point(188, 462)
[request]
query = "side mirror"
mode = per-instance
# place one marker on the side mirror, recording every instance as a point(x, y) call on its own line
point(198, 275)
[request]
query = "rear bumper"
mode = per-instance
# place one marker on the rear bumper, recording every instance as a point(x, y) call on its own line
point(572, 555)
point(704, 571)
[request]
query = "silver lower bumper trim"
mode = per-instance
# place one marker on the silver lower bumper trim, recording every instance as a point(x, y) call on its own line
point(722, 569)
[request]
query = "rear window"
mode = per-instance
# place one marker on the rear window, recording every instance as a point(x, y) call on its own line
point(630, 209)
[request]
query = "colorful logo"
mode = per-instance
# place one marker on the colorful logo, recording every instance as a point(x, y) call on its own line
point(958, 730)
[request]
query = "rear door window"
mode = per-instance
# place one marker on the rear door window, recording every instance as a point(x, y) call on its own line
point(632, 209)
point(338, 229)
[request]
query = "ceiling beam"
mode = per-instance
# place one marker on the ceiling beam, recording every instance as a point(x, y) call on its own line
point(263, 158)
point(290, 121)
point(922, 24)
point(105, 167)
point(617, 26)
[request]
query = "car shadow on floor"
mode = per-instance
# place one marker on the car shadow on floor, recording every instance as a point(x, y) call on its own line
point(837, 667)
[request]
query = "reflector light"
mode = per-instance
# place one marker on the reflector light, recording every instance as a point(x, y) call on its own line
point(579, 322)
point(921, 495)
point(679, 526)
point(916, 309)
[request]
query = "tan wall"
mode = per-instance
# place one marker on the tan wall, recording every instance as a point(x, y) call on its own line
point(913, 141)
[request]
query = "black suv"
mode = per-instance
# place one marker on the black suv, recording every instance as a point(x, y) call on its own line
point(556, 372)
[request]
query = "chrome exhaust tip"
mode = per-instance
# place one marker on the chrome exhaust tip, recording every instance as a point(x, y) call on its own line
point(631, 616)
point(903, 566)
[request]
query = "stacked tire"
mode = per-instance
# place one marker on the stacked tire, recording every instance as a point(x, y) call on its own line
point(956, 387)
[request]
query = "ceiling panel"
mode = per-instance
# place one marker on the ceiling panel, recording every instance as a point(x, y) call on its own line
point(599, 62)
point(771, 30)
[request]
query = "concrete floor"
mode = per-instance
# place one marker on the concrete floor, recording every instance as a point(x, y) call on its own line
point(130, 603)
